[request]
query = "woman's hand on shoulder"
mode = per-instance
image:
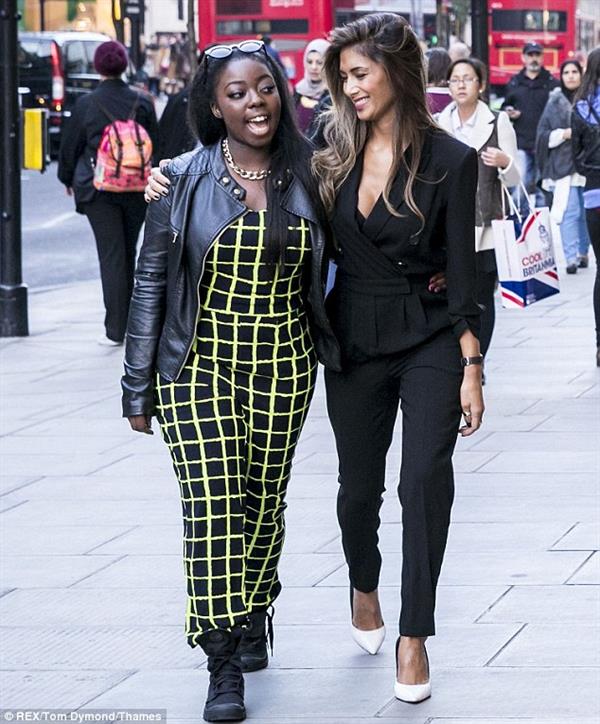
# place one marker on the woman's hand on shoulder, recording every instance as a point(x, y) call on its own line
point(158, 184)
point(141, 423)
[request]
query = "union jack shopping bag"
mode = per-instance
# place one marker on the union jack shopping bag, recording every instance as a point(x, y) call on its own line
point(525, 257)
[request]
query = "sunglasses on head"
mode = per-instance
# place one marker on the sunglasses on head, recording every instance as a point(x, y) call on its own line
point(220, 52)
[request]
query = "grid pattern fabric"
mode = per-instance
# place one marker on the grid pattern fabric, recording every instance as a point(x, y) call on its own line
point(232, 419)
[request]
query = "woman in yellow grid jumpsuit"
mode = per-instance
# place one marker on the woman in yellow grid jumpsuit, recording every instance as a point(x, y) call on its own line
point(220, 350)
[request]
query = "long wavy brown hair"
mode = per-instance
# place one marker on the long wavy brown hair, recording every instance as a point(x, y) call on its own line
point(388, 39)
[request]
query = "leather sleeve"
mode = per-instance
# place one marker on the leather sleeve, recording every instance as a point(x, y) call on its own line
point(147, 311)
point(460, 270)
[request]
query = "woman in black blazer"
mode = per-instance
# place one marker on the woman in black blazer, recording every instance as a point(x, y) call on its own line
point(401, 195)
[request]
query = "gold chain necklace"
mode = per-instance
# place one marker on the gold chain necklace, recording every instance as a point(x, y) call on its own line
point(248, 175)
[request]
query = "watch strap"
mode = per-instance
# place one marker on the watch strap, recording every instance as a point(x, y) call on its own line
point(467, 361)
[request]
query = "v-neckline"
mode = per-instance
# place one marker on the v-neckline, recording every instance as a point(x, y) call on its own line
point(360, 167)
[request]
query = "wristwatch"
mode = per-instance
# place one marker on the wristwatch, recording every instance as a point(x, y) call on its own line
point(467, 361)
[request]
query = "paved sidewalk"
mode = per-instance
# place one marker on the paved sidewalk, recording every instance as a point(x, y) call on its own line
point(92, 602)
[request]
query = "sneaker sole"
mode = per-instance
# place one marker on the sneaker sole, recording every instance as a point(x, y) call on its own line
point(225, 712)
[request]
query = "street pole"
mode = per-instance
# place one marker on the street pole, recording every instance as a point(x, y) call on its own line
point(479, 30)
point(13, 293)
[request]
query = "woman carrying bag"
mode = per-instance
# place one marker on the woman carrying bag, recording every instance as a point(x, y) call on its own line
point(471, 121)
point(556, 165)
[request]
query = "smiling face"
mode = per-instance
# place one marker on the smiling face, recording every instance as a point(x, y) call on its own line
point(464, 85)
point(313, 66)
point(247, 99)
point(571, 77)
point(367, 85)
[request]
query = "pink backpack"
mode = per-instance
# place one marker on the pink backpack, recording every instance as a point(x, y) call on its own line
point(123, 160)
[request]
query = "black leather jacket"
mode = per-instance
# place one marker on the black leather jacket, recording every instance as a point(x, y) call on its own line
point(180, 229)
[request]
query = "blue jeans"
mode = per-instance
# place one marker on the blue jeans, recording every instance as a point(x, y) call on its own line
point(573, 229)
point(528, 169)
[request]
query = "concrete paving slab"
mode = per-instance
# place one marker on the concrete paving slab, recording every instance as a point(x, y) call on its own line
point(72, 463)
point(553, 646)
point(110, 649)
point(19, 445)
point(57, 540)
point(571, 442)
point(589, 573)
point(532, 485)
point(56, 689)
point(583, 536)
point(96, 488)
point(50, 571)
point(545, 604)
point(565, 509)
point(12, 483)
point(89, 512)
point(516, 693)
point(65, 607)
point(542, 462)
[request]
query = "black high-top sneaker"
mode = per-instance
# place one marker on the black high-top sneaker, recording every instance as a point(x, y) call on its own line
point(253, 648)
point(225, 697)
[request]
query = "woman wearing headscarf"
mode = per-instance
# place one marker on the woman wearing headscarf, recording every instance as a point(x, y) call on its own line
point(557, 167)
point(310, 90)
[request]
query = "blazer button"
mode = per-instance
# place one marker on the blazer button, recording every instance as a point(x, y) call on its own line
point(401, 263)
point(237, 192)
point(225, 180)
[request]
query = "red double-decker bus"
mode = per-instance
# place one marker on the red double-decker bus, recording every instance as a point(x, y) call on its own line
point(291, 24)
point(563, 27)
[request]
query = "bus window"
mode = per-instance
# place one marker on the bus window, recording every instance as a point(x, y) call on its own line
point(531, 20)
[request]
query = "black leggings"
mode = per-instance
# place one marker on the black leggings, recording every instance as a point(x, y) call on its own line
point(592, 217)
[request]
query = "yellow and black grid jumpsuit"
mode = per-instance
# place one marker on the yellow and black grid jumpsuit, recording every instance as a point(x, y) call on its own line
point(232, 420)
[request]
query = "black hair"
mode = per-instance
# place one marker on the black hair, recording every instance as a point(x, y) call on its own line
point(569, 94)
point(591, 77)
point(478, 67)
point(438, 61)
point(290, 151)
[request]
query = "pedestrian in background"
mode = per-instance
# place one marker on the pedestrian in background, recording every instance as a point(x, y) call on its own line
point(526, 97)
point(115, 217)
point(311, 89)
point(458, 51)
point(557, 173)
point(401, 196)
point(585, 126)
point(438, 96)
point(491, 134)
point(176, 136)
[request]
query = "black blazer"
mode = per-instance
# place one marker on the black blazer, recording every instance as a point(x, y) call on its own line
point(380, 303)
point(81, 136)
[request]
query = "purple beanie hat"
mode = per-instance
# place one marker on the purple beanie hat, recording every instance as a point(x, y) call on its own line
point(111, 58)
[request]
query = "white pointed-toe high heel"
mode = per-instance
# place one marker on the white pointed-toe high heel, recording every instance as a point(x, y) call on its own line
point(412, 693)
point(369, 641)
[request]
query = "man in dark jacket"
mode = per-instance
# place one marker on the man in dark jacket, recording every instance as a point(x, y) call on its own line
point(526, 97)
point(115, 218)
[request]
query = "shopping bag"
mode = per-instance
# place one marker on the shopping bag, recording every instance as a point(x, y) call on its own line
point(525, 256)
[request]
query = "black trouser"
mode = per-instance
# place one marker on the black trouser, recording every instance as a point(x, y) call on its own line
point(592, 217)
point(116, 220)
point(487, 276)
point(362, 403)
